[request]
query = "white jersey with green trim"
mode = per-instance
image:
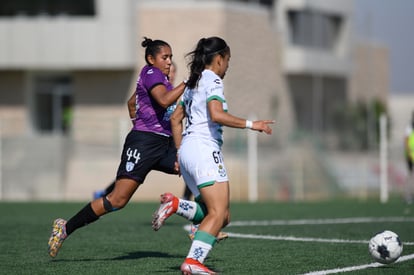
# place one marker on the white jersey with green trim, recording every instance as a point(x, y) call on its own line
point(199, 123)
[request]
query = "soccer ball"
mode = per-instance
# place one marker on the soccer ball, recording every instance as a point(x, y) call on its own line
point(385, 247)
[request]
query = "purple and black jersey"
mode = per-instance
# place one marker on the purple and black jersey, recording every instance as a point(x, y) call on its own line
point(150, 116)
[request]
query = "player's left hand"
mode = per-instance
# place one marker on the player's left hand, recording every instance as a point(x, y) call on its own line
point(263, 126)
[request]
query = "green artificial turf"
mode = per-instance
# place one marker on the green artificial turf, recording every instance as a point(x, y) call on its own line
point(124, 243)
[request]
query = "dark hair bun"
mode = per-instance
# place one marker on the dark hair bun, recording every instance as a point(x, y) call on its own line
point(146, 42)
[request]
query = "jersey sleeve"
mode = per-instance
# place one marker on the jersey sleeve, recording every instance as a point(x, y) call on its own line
point(153, 77)
point(215, 90)
point(181, 101)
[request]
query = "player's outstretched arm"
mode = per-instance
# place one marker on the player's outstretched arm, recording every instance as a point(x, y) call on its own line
point(218, 115)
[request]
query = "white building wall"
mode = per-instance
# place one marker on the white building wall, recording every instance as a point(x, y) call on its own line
point(93, 46)
point(55, 42)
point(303, 60)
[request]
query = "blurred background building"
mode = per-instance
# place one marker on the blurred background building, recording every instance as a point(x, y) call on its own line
point(67, 69)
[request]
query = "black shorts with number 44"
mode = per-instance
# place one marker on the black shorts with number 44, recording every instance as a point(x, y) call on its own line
point(146, 151)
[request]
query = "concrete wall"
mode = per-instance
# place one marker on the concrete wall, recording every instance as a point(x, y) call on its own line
point(370, 75)
point(103, 56)
point(305, 60)
point(102, 41)
point(254, 84)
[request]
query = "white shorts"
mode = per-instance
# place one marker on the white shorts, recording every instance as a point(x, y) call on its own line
point(201, 163)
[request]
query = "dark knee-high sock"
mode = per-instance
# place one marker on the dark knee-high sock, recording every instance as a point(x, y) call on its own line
point(83, 217)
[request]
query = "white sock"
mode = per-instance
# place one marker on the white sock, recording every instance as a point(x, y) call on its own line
point(199, 250)
point(187, 209)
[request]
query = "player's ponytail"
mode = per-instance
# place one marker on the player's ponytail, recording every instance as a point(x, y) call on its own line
point(202, 55)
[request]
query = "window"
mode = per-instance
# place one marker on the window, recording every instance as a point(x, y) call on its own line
point(47, 7)
point(52, 98)
point(314, 29)
point(316, 99)
point(267, 3)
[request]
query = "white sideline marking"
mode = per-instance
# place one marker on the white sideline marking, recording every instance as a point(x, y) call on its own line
point(291, 238)
point(357, 267)
point(298, 239)
point(316, 222)
point(329, 271)
point(322, 221)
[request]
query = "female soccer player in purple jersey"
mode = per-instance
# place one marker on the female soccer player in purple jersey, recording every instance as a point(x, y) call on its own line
point(104, 192)
point(148, 146)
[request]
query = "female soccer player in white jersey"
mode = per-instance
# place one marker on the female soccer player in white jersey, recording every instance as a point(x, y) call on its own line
point(199, 149)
